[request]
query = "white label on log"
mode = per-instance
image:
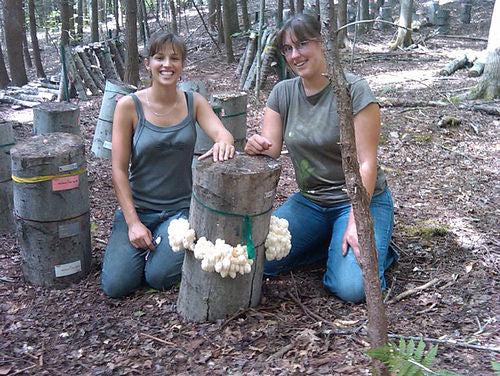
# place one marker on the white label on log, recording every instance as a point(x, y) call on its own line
point(106, 145)
point(68, 229)
point(68, 167)
point(270, 194)
point(68, 269)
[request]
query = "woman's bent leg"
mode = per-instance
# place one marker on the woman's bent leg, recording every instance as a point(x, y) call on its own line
point(310, 231)
point(163, 267)
point(122, 265)
point(343, 274)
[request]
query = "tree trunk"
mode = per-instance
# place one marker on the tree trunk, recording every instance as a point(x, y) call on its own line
point(227, 33)
point(65, 25)
point(34, 40)
point(489, 85)
point(244, 13)
point(341, 21)
point(279, 18)
point(220, 28)
point(212, 14)
point(364, 11)
point(116, 13)
point(12, 15)
point(403, 35)
point(94, 21)
point(4, 76)
point(173, 14)
point(291, 5)
point(232, 8)
point(26, 51)
point(300, 6)
point(131, 66)
point(79, 20)
point(377, 319)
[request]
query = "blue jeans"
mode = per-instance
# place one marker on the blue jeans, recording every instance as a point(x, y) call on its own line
point(125, 268)
point(317, 234)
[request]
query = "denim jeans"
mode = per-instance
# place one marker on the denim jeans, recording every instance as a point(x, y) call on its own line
point(317, 234)
point(126, 268)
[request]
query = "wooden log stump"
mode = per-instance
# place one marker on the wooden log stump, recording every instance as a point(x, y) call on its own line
point(233, 115)
point(55, 254)
point(51, 207)
point(50, 177)
point(223, 194)
point(203, 142)
point(52, 117)
point(6, 143)
point(101, 144)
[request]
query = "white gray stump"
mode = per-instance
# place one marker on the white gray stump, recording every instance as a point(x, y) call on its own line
point(6, 143)
point(56, 117)
point(233, 115)
point(101, 144)
point(203, 142)
point(51, 207)
point(223, 192)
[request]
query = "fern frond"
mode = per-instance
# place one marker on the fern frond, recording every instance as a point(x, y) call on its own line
point(419, 352)
point(431, 355)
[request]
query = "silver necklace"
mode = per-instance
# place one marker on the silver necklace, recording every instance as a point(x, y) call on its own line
point(156, 113)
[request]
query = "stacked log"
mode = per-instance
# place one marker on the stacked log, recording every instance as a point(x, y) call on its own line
point(248, 62)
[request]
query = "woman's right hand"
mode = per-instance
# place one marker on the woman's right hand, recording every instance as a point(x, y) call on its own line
point(257, 144)
point(140, 236)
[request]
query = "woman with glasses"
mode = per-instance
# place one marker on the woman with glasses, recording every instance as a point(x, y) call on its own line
point(302, 112)
point(152, 151)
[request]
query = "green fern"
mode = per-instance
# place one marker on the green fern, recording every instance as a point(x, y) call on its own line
point(406, 359)
point(496, 367)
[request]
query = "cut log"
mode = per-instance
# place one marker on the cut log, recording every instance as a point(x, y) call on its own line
point(90, 62)
point(223, 193)
point(8, 99)
point(453, 66)
point(249, 56)
point(117, 58)
point(85, 74)
point(6, 143)
point(73, 75)
point(101, 143)
point(203, 142)
point(55, 254)
point(50, 177)
point(477, 69)
point(233, 115)
point(56, 117)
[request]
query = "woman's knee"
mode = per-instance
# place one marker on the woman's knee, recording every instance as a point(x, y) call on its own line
point(116, 286)
point(351, 290)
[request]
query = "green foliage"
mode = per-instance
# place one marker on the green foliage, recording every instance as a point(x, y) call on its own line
point(496, 367)
point(388, 88)
point(426, 229)
point(406, 359)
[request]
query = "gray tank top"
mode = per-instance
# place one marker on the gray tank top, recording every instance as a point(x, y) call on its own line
point(160, 163)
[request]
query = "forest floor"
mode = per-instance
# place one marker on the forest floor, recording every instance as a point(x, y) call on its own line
point(445, 186)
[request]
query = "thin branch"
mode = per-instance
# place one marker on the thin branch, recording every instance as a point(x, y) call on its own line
point(205, 25)
point(414, 290)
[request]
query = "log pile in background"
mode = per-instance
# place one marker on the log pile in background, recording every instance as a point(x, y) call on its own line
point(87, 68)
point(247, 66)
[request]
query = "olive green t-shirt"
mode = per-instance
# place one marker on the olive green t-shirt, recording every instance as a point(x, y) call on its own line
point(311, 135)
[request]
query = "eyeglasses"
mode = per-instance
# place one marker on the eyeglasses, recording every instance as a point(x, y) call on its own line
point(287, 50)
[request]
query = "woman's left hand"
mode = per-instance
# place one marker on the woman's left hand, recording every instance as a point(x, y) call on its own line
point(220, 151)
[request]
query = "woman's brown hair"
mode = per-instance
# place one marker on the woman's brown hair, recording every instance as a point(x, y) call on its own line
point(302, 25)
point(158, 41)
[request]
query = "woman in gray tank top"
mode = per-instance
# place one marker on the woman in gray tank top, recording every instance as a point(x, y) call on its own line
point(302, 112)
point(152, 150)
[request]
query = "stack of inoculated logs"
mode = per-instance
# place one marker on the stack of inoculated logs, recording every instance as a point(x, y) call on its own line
point(88, 67)
point(247, 67)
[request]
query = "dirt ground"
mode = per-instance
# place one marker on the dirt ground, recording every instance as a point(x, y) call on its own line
point(445, 186)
